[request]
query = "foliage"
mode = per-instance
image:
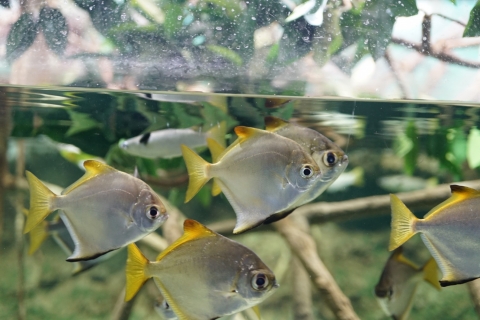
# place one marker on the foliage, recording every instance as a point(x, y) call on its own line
point(473, 26)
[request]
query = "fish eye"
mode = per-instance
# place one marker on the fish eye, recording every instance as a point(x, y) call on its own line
point(306, 171)
point(153, 213)
point(330, 159)
point(259, 281)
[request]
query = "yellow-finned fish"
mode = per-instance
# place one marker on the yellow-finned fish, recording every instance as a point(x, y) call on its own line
point(450, 232)
point(104, 210)
point(166, 143)
point(202, 275)
point(399, 281)
point(329, 157)
point(59, 232)
point(262, 175)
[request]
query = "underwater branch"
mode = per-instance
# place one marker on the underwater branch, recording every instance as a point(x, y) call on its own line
point(303, 245)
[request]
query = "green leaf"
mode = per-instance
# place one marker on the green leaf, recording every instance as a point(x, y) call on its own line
point(473, 148)
point(55, 28)
point(80, 122)
point(473, 25)
point(172, 22)
point(228, 54)
point(375, 23)
point(21, 36)
point(454, 2)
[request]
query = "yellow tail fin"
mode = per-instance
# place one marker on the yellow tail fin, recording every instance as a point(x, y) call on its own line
point(218, 133)
point(216, 150)
point(135, 271)
point(430, 273)
point(37, 235)
point(197, 171)
point(403, 222)
point(40, 202)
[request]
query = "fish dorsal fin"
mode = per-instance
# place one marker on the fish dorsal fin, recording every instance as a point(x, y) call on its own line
point(144, 139)
point(93, 168)
point(216, 149)
point(399, 257)
point(463, 191)
point(245, 133)
point(459, 193)
point(272, 124)
point(192, 230)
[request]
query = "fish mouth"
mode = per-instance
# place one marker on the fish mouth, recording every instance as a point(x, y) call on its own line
point(123, 144)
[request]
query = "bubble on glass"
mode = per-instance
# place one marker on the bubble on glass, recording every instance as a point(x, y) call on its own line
point(218, 28)
point(198, 40)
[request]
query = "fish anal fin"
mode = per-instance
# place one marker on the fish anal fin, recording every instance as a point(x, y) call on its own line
point(278, 216)
point(403, 222)
point(246, 223)
point(272, 124)
point(93, 168)
point(191, 230)
point(447, 283)
point(76, 257)
point(245, 133)
point(135, 271)
point(144, 139)
point(40, 202)
point(430, 273)
point(216, 190)
point(171, 302)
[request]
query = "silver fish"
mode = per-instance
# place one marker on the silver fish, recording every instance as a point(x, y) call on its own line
point(450, 232)
point(104, 210)
point(226, 276)
point(59, 232)
point(262, 175)
point(166, 143)
point(399, 281)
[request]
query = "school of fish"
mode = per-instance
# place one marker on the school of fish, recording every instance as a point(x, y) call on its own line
point(264, 174)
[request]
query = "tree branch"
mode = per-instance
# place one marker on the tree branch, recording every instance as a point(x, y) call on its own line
point(303, 246)
point(440, 55)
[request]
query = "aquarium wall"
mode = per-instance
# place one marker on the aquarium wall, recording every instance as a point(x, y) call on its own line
point(389, 49)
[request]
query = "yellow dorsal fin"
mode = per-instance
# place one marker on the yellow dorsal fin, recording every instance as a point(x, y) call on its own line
point(93, 168)
point(216, 149)
point(459, 193)
point(273, 123)
point(398, 256)
point(244, 133)
point(218, 133)
point(191, 230)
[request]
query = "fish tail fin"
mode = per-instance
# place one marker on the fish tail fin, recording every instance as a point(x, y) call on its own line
point(218, 133)
point(403, 222)
point(135, 271)
point(216, 150)
point(430, 273)
point(40, 202)
point(197, 172)
point(37, 236)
